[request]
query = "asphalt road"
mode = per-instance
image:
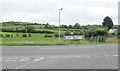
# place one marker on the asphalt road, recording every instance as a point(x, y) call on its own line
point(102, 56)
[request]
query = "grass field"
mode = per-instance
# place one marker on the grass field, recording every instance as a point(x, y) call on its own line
point(39, 40)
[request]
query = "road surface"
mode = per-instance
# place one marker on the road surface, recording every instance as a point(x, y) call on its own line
point(104, 56)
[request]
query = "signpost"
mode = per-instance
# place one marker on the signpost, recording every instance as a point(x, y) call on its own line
point(74, 37)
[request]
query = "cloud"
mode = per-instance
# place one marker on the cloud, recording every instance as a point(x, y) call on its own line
point(46, 11)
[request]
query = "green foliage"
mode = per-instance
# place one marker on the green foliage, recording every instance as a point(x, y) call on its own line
point(47, 25)
point(17, 35)
point(29, 35)
point(67, 32)
point(56, 34)
point(77, 26)
point(107, 22)
point(98, 31)
point(1, 35)
point(64, 26)
point(101, 31)
point(24, 35)
point(71, 27)
point(7, 35)
point(40, 40)
point(29, 28)
point(48, 35)
point(78, 32)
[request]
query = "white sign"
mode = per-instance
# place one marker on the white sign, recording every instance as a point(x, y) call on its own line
point(74, 37)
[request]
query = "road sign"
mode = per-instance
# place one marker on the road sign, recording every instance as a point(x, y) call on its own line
point(74, 37)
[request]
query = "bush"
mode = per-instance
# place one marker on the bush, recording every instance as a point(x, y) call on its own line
point(29, 35)
point(48, 35)
point(62, 35)
point(1, 35)
point(56, 34)
point(24, 35)
point(11, 35)
point(67, 32)
point(7, 35)
point(17, 35)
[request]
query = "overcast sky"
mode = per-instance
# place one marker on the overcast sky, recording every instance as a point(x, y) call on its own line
point(46, 11)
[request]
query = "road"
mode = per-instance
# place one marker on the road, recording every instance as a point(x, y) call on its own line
point(104, 56)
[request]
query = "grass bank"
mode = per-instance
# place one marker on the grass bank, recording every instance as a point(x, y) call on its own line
point(40, 40)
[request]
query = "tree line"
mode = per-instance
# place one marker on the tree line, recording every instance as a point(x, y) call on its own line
point(77, 29)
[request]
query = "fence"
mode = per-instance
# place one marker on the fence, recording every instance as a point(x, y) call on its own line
point(98, 38)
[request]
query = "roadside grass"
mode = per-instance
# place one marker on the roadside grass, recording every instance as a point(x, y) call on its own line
point(38, 39)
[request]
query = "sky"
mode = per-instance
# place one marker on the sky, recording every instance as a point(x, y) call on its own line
point(83, 12)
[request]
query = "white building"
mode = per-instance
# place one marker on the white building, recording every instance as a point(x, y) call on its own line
point(112, 31)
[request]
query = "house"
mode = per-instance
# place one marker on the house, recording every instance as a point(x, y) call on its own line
point(113, 31)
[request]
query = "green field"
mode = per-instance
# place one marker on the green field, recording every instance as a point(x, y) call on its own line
point(37, 39)
point(39, 31)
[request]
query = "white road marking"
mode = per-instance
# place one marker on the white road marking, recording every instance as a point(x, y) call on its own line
point(9, 60)
point(87, 56)
point(38, 59)
point(35, 60)
point(115, 55)
point(24, 59)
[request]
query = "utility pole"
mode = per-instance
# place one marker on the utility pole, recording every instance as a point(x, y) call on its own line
point(59, 22)
point(26, 28)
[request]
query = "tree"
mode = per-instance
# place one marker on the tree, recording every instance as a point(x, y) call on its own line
point(56, 34)
point(30, 28)
point(64, 26)
point(107, 22)
point(71, 27)
point(67, 32)
point(47, 25)
point(77, 25)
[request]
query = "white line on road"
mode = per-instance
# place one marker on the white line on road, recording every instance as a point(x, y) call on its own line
point(115, 55)
point(38, 59)
point(24, 59)
point(35, 60)
point(107, 55)
point(78, 56)
point(9, 60)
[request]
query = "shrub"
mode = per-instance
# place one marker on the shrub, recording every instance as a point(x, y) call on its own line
point(17, 35)
point(24, 35)
point(56, 34)
point(7, 35)
point(29, 35)
point(1, 35)
point(67, 32)
point(62, 35)
point(11, 35)
point(48, 35)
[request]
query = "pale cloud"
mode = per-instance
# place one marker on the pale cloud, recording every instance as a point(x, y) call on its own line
point(46, 11)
